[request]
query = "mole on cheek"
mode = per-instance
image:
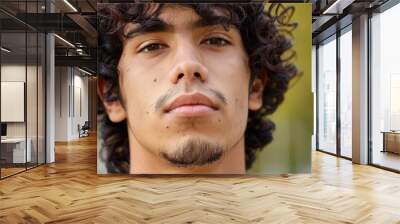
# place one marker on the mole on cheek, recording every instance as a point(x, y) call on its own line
point(155, 80)
point(167, 127)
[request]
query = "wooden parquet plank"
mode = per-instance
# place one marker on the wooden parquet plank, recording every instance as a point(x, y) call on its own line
point(70, 191)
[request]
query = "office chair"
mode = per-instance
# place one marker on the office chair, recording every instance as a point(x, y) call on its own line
point(84, 130)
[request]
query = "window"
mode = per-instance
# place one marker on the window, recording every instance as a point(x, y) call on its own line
point(346, 93)
point(385, 89)
point(327, 96)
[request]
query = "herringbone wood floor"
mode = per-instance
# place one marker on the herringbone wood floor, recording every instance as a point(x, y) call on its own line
point(70, 191)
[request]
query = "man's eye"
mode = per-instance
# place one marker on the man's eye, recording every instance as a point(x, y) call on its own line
point(218, 41)
point(152, 47)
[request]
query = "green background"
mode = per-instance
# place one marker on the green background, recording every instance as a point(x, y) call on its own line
point(290, 151)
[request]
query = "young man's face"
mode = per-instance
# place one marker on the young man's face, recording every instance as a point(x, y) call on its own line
point(185, 88)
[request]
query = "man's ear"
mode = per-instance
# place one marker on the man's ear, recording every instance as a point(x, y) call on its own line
point(114, 109)
point(256, 92)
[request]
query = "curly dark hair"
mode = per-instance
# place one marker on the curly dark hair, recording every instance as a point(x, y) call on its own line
point(265, 37)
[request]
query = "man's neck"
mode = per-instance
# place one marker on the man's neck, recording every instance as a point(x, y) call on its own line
point(142, 161)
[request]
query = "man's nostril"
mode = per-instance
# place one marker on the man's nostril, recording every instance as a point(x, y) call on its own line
point(180, 76)
point(197, 75)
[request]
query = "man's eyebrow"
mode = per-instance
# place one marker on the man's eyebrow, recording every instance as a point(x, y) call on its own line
point(212, 20)
point(149, 25)
point(158, 25)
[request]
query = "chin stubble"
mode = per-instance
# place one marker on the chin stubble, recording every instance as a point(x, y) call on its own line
point(194, 152)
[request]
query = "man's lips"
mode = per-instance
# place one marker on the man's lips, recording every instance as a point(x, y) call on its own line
point(189, 105)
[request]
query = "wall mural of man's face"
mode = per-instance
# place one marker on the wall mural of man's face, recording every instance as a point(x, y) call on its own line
point(185, 93)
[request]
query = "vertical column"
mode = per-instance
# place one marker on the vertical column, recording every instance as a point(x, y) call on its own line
point(50, 92)
point(314, 92)
point(338, 91)
point(360, 90)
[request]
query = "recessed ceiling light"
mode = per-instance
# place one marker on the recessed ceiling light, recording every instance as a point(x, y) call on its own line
point(65, 41)
point(84, 71)
point(337, 7)
point(70, 5)
point(5, 50)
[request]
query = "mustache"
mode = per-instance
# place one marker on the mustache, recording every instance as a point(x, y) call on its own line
point(172, 92)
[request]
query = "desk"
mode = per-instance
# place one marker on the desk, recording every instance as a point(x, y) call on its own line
point(391, 141)
point(15, 148)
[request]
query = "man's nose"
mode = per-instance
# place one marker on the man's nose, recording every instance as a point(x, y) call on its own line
point(188, 66)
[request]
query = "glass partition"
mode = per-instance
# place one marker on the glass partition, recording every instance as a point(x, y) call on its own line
point(15, 151)
point(327, 95)
point(385, 89)
point(41, 86)
point(346, 93)
point(31, 100)
point(22, 88)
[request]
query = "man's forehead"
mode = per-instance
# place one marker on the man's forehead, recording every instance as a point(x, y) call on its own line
point(177, 15)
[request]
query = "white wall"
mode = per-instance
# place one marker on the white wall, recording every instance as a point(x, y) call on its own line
point(71, 94)
point(33, 127)
point(80, 101)
point(61, 103)
point(13, 73)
